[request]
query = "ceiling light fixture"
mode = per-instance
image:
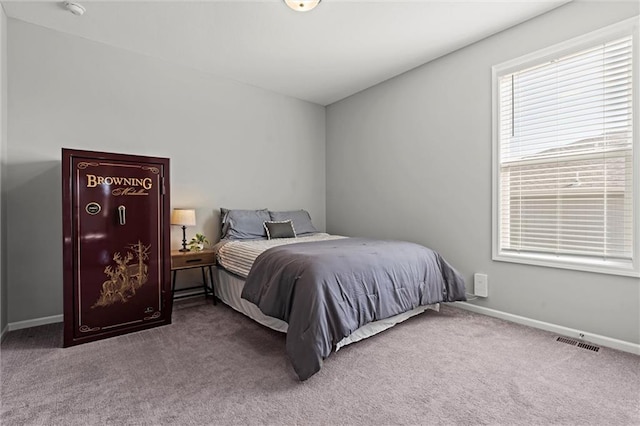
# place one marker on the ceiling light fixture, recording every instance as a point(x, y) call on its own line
point(302, 5)
point(75, 8)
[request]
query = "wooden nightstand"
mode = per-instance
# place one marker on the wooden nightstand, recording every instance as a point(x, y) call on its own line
point(193, 259)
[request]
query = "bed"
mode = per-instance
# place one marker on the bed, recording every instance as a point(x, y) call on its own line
point(324, 291)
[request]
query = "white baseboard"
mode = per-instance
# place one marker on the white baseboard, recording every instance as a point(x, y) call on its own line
point(34, 322)
point(598, 339)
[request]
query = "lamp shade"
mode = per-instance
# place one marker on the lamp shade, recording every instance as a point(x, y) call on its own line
point(184, 217)
point(302, 5)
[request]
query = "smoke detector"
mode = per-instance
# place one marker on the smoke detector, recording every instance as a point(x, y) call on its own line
point(75, 8)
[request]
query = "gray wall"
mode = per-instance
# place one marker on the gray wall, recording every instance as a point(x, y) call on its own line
point(230, 145)
point(411, 159)
point(4, 320)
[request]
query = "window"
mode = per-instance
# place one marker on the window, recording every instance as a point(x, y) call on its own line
point(566, 155)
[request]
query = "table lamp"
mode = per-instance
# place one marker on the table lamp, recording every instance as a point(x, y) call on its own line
point(184, 218)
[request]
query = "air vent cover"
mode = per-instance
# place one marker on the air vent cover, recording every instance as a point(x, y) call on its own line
point(588, 346)
point(578, 343)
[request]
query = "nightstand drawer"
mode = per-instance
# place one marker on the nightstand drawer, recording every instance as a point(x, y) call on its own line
point(192, 259)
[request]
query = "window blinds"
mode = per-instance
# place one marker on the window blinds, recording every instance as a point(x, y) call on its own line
point(565, 147)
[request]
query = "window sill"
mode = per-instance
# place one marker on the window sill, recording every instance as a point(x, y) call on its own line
point(610, 267)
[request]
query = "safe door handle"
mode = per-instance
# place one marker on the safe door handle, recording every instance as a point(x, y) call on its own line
point(122, 215)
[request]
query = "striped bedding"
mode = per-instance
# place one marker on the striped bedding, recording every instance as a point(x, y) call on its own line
point(237, 256)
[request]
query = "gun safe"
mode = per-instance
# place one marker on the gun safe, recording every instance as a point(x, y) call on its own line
point(116, 244)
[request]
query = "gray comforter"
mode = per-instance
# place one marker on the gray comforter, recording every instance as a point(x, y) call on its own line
point(327, 289)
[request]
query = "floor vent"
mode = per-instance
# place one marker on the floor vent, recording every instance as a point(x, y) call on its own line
point(567, 340)
point(578, 343)
point(588, 346)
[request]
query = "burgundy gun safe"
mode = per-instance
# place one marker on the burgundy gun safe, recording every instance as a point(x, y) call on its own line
point(116, 243)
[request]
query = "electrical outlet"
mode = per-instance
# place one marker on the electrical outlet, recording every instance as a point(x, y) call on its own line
point(481, 285)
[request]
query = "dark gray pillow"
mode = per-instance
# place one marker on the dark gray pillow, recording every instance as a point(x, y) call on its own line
point(243, 224)
point(223, 220)
point(280, 229)
point(300, 218)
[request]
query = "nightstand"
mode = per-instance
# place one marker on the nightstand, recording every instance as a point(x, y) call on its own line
point(193, 259)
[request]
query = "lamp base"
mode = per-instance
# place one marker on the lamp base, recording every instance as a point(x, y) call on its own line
point(184, 240)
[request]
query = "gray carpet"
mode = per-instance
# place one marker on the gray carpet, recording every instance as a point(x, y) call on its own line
point(214, 366)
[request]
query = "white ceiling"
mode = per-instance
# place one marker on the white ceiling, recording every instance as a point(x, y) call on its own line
point(322, 56)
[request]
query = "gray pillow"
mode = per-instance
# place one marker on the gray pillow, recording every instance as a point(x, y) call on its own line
point(300, 218)
point(280, 229)
point(243, 224)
